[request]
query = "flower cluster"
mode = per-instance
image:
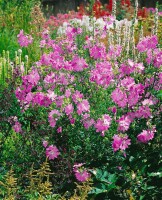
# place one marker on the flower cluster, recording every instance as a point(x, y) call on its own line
point(146, 135)
point(120, 142)
point(147, 43)
point(24, 40)
point(103, 124)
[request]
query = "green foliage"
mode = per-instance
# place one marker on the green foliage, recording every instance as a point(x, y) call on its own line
point(106, 182)
point(15, 15)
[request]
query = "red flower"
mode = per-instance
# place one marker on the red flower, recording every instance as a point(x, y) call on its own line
point(81, 10)
point(97, 8)
point(125, 3)
point(142, 13)
point(110, 5)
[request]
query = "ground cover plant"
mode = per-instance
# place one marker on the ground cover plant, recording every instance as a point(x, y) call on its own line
point(84, 118)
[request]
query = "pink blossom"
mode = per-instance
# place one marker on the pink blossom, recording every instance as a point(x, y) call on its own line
point(20, 94)
point(77, 96)
point(53, 116)
point(87, 121)
point(51, 95)
point(42, 43)
point(120, 142)
point(149, 42)
point(72, 121)
point(116, 142)
point(148, 102)
point(157, 61)
point(67, 93)
point(133, 98)
point(17, 127)
point(45, 34)
point(114, 51)
point(33, 77)
point(103, 124)
point(143, 112)
point(24, 40)
point(45, 60)
point(124, 123)
point(83, 107)
point(81, 173)
point(52, 152)
point(59, 101)
point(29, 97)
point(127, 82)
point(146, 136)
point(78, 64)
point(102, 74)
point(125, 69)
point(160, 78)
point(82, 176)
point(59, 130)
point(69, 109)
point(98, 52)
point(119, 97)
point(41, 99)
point(45, 143)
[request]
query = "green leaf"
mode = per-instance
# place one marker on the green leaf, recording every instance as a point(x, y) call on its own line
point(154, 174)
point(159, 95)
point(142, 197)
point(101, 188)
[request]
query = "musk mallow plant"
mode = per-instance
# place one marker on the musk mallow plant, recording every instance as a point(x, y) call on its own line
point(79, 78)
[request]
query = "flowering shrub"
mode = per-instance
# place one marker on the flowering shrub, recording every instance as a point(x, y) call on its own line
point(86, 88)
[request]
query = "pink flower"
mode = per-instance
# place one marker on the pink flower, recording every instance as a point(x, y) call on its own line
point(33, 77)
point(160, 78)
point(72, 121)
point(59, 130)
point(69, 109)
point(78, 64)
point(45, 143)
point(29, 97)
point(102, 74)
point(67, 93)
point(147, 43)
point(97, 52)
point(114, 51)
point(51, 95)
point(103, 124)
point(124, 123)
point(45, 34)
point(120, 142)
point(40, 99)
point(83, 107)
point(82, 176)
point(53, 116)
point(17, 127)
point(52, 152)
point(81, 173)
point(157, 58)
point(77, 96)
point(87, 121)
point(143, 112)
point(145, 136)
point(24, 40)
point(119, 97)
